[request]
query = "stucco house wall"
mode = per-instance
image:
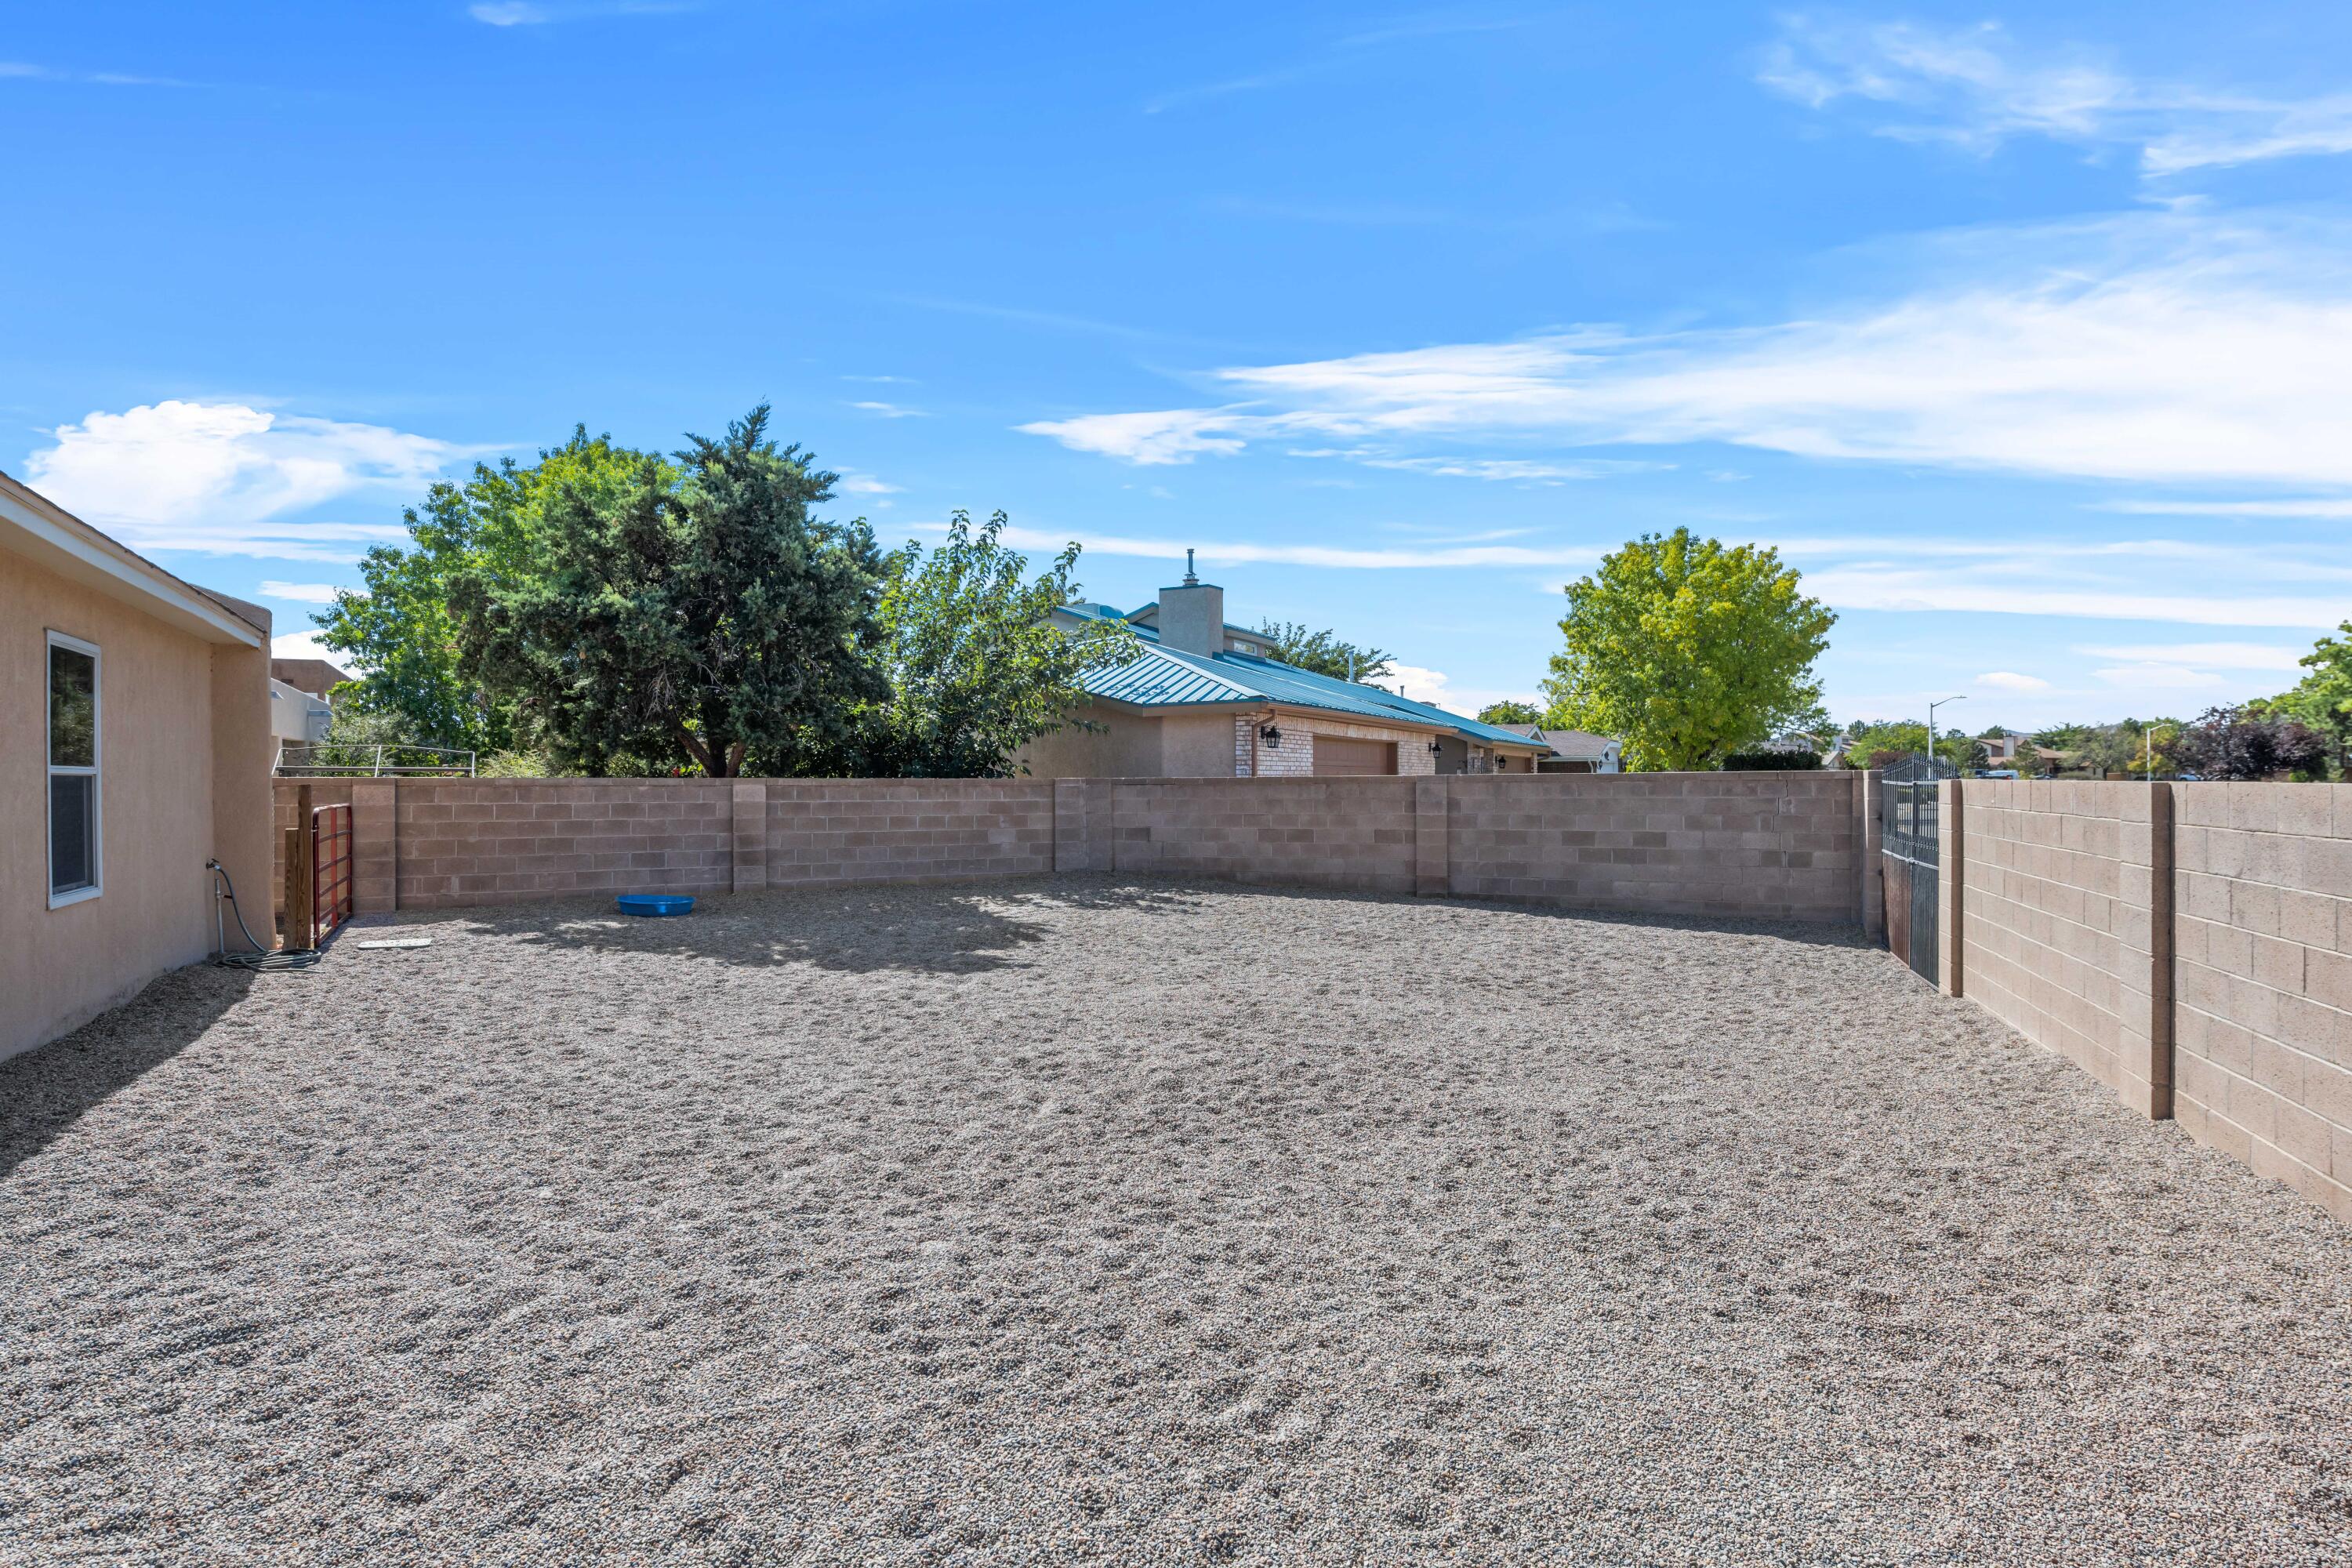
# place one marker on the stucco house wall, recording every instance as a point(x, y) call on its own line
point(184, 747)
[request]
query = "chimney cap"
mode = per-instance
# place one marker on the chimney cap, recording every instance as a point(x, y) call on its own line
point(1190, 580)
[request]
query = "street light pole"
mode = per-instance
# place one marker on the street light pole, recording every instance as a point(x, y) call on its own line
point(1931, 721)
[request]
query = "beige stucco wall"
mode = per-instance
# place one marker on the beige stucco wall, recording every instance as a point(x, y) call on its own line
point(1123, 745)
point(1196, 746)
point(163, 809)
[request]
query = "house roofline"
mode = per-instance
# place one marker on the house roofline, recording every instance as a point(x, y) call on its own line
point(37, 528)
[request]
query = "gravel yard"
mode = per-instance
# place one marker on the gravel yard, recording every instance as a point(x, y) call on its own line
point(1079, 1220)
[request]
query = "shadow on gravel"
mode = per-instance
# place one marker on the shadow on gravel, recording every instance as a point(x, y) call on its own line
point(928, 928)
point(45, 1091)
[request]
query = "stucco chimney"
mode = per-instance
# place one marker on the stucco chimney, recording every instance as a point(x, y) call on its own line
point(1193, 615)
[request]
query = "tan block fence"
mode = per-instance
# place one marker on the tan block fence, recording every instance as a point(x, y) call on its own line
point(2189, 945)
point(1770, 846)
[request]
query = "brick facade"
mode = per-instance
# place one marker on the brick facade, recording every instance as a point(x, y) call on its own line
point(1295, 756)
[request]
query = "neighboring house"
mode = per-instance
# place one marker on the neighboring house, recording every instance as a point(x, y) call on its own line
point(1205, 699)
point(135, 746)
point(313, 676)
point(2005, 749)
point(300, 712)
point(296, 717)
point(1573, 750)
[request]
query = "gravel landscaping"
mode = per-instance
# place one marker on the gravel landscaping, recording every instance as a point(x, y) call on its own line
point(1084, 1220)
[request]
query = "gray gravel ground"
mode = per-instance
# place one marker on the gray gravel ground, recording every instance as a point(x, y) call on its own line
point(1086, 1221)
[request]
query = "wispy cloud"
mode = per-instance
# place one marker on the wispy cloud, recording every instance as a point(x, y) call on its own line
point(300, 593)
point(2309, 506)
point(2159, 676)
point(1883, 587)
point(2207, 655)
point(20, 70)
point(2010, 681)
point(1413, 28)
point(854, 483)
point(888, 410)
point(226, 478)
point(1976, 88)
point(2154, 348)
point(1240, 552)
point(540, 13)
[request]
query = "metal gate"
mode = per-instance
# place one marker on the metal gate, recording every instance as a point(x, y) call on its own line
point(1910, 826)
point(330, 869)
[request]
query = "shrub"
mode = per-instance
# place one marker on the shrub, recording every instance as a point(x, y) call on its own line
point(1771, 762)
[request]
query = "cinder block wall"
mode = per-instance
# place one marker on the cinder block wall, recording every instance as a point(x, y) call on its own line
point(1775, 846)
point(2058, 935)
point(1355, 834)
point(2263, 1031)
point(827, 832)
point(494, 841)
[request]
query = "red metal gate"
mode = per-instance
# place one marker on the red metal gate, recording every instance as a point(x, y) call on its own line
point(330, 869)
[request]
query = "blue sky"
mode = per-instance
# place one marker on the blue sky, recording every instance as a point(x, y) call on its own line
point(2023, 334)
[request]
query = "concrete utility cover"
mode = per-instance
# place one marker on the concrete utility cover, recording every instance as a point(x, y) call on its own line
point(397, 941)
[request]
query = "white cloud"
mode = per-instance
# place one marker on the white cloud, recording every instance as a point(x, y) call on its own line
point(2010, 681)
point(1174, 436)
point(1867, 586)
point(300, 593)
point(2159, 676)
point(2156, 347)
point(2211, 655)
point(1520, 470)
point(535, 14)
point(854, 483)
point(1238, 552)
point(1975, 88)
point(220, 477)
point(306, 644)
point(889, 410)
point(2313, 506)
point(1436, 688)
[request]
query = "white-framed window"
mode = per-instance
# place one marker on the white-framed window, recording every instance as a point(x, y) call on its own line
point(77, 869)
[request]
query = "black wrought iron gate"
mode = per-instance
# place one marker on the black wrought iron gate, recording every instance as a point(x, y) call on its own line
point(1909, 829)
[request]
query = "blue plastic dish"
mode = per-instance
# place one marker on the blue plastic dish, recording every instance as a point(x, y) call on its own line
point(655, 903)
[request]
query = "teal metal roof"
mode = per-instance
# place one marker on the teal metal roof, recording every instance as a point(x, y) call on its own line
point(1162, 677)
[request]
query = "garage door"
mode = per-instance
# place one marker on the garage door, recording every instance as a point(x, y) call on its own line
point(1335, 755)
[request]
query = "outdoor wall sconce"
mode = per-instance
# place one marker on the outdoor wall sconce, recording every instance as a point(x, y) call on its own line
point(1271, 736)
point(1435, 747)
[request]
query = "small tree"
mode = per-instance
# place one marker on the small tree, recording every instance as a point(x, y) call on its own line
point(1509, 712)
point(976, 668)
point(2233, 744)
point(1323, 653)
point(402, 632)
point(696, 621)
point(1687, 650)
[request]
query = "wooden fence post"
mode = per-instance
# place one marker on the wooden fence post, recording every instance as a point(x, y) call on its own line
point(301, 914)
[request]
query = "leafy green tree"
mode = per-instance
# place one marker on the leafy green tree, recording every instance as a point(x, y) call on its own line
point(1508, 713)
point(1687, 650)
point(976, 667)
point(2322, 699)
point(700, 622)
point(1323, 653)
point(400, 631)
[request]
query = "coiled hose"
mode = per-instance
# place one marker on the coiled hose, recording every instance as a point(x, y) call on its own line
point(260, 957)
